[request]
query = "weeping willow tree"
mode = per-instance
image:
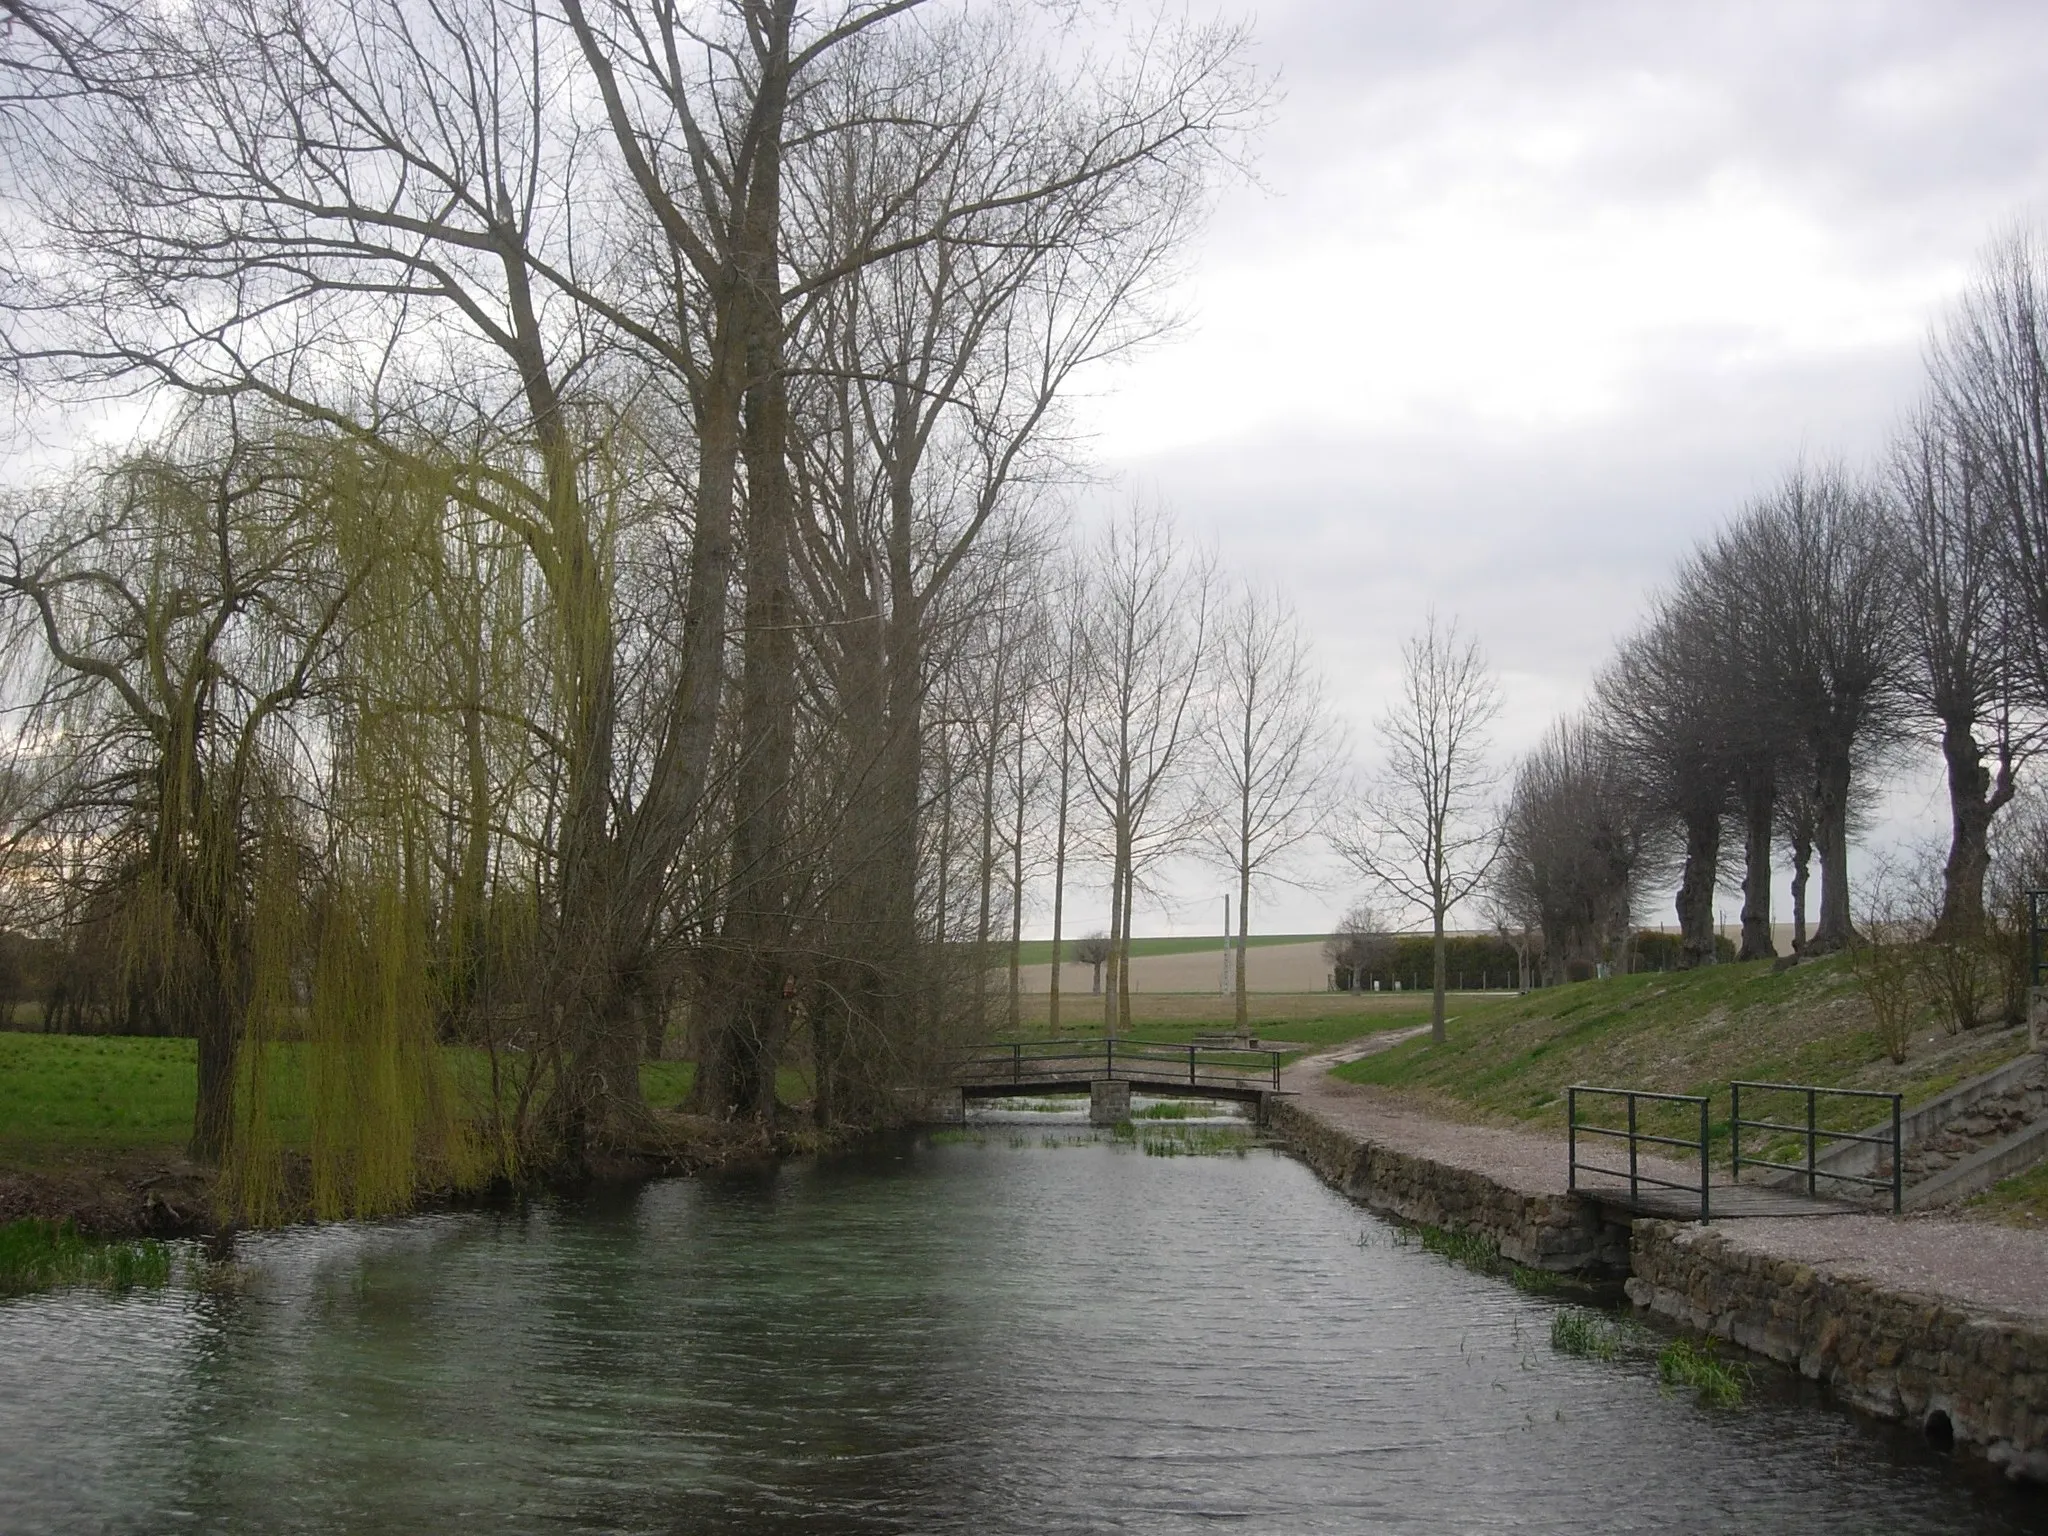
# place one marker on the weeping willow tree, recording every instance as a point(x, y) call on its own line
point(168, 617)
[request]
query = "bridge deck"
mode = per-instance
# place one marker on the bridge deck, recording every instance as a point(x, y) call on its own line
point(1072, 1066)
point(1725, 1202)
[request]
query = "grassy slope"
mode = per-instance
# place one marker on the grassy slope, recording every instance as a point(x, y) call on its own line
point(2020, 1201)
point(62, 1096)
point(1680, 1033)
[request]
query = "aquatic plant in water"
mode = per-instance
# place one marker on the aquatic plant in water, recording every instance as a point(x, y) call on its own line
point(37, 1255)
point(1588, 1335)
point(1698, 1364)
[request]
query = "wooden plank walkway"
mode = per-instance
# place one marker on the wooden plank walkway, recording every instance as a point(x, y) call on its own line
point(1725, 1202)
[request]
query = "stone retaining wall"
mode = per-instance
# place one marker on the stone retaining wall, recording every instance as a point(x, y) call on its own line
point(1891, 1353)
point(1555, 1232)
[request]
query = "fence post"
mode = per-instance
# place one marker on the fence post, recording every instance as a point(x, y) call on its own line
point(1898, 1162)
point(1632, 1191)
point(1571, 1139)
point(1109, 1056)
point(1016, 1064)
point(1735, 1132)
point(1191, 1064)
point(1812, 1183)
point(1706, 1213)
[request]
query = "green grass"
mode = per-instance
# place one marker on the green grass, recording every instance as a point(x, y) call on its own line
point(1697, 1364)
point(1039, 951)
point(63, 1096)
point(1688, 1032)
point(2020, 1201)
point(1194, 1141)
point(40, 1255)
point(1588, 1335)
point(104, 1092)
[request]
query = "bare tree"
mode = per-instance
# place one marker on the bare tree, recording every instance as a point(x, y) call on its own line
point(1147, 625)
point(1663, 705)
point(1271, 747)
point(1426, 829)
point(1809, 578)
point(1576, 848)
point(1061, 723)
point(1964, 672)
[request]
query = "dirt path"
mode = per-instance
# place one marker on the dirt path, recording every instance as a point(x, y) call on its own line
point(1965, 1263)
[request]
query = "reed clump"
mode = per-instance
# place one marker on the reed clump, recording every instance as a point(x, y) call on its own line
point(39, 1255)
point(1697, 1364)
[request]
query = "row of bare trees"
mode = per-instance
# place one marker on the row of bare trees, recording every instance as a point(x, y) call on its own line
point(1838, 622)
point(588, 526)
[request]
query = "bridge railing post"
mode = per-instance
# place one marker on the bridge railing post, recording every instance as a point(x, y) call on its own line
point(1898, 1161)
point(1704, 1131)
point(1571, 1139)
point(1633, 1191)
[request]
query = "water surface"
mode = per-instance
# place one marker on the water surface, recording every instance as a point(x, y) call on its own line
point(995, 1336)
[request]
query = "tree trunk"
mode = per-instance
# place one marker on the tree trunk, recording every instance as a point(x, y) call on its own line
point(1437, 1034)
point(1123, 971)
point(1759, 812)
point(1834, 931)
point(1116, 935)
point(1973, 800)
point(1802, 865)
point(1059, 889)
point(1244, 928)
point(1017, 886)
point(1697, 944)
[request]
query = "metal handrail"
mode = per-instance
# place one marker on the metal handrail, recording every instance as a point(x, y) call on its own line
point(1635, 1137)
point(1814, 1134)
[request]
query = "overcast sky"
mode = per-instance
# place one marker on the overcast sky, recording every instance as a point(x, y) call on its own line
point(1533, 295)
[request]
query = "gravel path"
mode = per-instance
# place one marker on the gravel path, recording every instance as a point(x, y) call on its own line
point(1970, 1264)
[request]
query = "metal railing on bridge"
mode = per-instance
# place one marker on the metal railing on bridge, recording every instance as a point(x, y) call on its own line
point(1813, 1133)
point(1635, 1137)
point(1163, 1064)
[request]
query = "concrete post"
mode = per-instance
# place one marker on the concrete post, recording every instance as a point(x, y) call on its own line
point(1109, 1102)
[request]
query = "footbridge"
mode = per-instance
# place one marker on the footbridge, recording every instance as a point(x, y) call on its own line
point(1110, 1069)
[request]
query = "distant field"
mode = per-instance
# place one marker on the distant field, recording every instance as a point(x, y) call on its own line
point(1039, 951)
point(1314, 1019)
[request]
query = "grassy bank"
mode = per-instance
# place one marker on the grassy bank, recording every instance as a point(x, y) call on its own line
point(2020, 1201)
point(1688, 1032)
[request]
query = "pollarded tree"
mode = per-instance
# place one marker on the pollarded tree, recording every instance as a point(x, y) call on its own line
point(1831, 649)
point(1577, 841)
point(1662, 706)
point(1271, 750)
point(1426, 829)
point(1964, 671)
